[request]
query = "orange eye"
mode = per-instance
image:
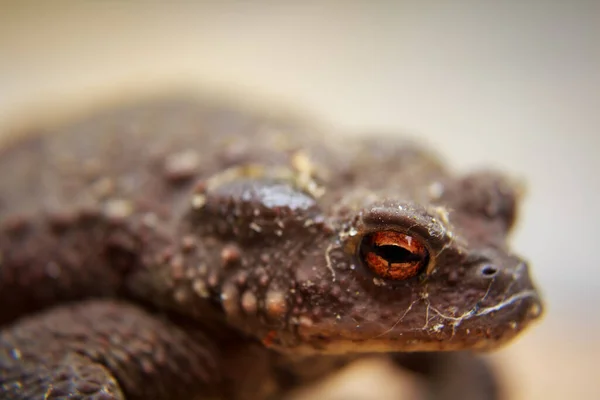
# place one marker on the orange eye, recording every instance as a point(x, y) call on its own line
point(393, 255)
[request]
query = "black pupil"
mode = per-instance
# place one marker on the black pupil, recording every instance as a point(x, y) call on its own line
point(396, 254)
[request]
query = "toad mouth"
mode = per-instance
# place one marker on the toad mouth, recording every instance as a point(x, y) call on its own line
point(440, 331)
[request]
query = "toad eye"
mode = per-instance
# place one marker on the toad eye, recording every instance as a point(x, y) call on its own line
point(393, 255)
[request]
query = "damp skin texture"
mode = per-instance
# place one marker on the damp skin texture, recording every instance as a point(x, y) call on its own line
point(188, 249)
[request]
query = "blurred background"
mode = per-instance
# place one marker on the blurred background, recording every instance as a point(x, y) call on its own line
point(514, 84)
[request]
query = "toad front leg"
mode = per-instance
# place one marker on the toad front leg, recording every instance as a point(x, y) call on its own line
point(104, 350)
point(452, 375)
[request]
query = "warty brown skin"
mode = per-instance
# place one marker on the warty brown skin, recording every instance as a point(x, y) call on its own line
point(179, 248)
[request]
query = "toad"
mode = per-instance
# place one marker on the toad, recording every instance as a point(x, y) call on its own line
point(186, 249)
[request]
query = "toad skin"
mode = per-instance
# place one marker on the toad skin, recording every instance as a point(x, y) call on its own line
point(185, 249)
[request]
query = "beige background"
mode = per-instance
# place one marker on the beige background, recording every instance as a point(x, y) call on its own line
point(514, 84)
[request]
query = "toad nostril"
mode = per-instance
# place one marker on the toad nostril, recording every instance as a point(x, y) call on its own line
point(488, 271)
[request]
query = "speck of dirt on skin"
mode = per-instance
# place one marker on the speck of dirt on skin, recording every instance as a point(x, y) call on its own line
point(198, 201)
point(378, 282)
point(249, 302)
point(118, 209)
point(275, 303)
point(200, 288)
